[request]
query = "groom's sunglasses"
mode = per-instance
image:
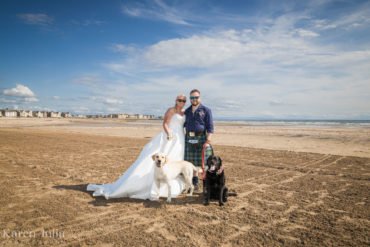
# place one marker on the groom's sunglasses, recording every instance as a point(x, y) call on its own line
point(194, 97)
point(181, 100)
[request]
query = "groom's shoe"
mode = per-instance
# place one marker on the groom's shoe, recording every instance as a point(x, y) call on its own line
point(196, 183)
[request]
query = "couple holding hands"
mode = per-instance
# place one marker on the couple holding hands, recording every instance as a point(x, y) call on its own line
point(183, 136)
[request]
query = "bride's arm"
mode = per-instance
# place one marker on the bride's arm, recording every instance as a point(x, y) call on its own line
point(166, 121)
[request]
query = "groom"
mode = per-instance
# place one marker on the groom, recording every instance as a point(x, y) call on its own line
point(199, 129)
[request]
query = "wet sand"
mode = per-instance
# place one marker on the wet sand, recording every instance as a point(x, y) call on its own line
point(337, 140)
point(303, 187)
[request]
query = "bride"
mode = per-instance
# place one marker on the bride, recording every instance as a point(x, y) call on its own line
point(137, 181)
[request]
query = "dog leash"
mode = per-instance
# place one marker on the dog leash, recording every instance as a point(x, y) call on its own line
point(203, 173)
point(203, 158)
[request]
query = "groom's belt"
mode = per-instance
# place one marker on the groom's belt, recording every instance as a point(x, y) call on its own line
point(195, 133)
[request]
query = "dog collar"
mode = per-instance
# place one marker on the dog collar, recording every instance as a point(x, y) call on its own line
point(218, 172)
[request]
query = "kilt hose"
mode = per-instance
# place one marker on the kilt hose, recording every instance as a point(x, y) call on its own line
point(193, 149)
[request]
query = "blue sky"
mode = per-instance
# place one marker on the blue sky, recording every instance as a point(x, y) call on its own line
point(250, 59)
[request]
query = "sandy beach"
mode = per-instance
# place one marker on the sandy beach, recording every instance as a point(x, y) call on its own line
point(297, 186)
point(345, 140)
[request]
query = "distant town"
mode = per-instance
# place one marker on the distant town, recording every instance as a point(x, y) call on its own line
point(55, 114)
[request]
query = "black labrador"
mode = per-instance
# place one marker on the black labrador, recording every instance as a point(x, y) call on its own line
point(214, 183)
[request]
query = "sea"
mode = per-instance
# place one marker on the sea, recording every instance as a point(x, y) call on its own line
point(272, 122)
point(295, 122)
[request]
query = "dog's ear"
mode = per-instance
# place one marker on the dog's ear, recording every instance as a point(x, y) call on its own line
point(153, 157)
point(220, 161)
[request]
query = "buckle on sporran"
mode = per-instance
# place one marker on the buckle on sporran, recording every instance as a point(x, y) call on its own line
point(193, 141)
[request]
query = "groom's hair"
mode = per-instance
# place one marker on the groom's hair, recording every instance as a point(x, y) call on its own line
point(194, 91)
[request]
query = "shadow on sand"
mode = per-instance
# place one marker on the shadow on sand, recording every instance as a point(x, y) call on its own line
point(100, 201)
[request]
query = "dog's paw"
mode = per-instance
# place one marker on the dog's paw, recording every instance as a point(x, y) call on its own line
point(169, 200)
point(206, 203)
point(221, 204)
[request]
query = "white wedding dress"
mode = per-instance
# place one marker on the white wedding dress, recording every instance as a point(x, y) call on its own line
point(138, 180)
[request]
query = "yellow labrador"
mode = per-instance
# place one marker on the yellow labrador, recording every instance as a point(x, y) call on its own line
point(166, 170)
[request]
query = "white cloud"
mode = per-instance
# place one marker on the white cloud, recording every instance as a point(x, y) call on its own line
point(20, 91)
point(323, 24)
point(39, 108)
point(90, 80)
point(80, 109)
point(352, 19)
point(157, 10)
point(275, 70)
point(306, 33)
point(195, 51)
point(275, 67)
point(32, 99)
point(102, 98)
point(36, 19)
point(113, 101)
point(8, 100)
point(20, 94)
point(223, 48)
point(88, 22)
point(122, 48)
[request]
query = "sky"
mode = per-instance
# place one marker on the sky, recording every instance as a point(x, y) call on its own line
point(250, 59)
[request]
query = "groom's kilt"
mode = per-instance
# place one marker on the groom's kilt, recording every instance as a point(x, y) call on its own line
point(193, 152)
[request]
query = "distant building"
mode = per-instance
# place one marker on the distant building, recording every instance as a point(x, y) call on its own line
point(53, 114)
point(123, 116)
point(148, 116)
point(119, 115)
point(10, 113)
point(94, 116)
point(139, 116)
point(25, 113)
point(66, 114)
point(38, 114)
